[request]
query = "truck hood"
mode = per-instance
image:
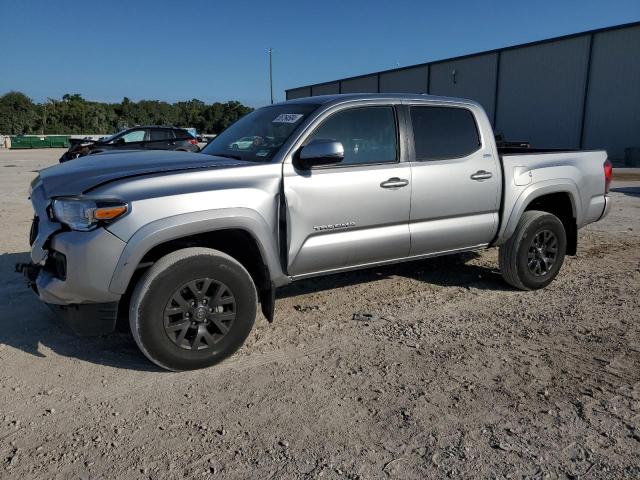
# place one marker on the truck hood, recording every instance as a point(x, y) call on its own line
point(84, 173)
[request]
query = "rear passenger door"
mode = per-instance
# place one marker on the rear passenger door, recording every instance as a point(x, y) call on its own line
point(160, 139)
point(456, 178)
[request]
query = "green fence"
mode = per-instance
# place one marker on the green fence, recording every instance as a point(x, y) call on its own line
point(39, 141)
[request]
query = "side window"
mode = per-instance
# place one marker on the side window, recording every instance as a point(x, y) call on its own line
point(443, 132)
point(134, 136)
point(156, 134)
point(368, 134)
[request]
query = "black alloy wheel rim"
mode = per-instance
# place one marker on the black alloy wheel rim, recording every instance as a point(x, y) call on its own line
point(199, 314)
point(542, 253)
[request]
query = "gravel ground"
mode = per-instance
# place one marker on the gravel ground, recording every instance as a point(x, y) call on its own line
point(455, 375)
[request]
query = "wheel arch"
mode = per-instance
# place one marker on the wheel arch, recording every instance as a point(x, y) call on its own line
point(558, 197)
point(242, 235)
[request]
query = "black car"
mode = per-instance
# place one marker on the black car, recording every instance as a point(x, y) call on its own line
point(136, 138)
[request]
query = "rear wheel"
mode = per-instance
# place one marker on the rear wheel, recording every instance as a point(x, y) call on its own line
point(532, 257)
point(192, 309)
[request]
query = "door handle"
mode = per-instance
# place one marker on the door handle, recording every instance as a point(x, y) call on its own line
point(481, 175)
point(395, 182)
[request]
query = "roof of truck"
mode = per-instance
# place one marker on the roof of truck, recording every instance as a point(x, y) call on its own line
point(322, 99)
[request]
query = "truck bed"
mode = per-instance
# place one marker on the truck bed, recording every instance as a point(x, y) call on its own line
point(532, 172)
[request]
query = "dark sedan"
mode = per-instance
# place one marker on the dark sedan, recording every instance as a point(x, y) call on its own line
point(136, 138)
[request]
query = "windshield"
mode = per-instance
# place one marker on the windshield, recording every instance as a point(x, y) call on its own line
point(258, 136)
point(111, 137)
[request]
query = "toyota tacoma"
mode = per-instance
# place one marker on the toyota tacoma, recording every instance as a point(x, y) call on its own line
point(186, 246)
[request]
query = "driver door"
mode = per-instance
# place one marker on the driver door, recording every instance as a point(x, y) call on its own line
point(355, 212)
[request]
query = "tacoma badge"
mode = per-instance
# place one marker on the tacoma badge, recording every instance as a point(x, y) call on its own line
point(334, 226)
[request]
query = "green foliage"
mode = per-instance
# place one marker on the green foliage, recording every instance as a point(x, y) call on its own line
point(73, 114)
point(18, 114)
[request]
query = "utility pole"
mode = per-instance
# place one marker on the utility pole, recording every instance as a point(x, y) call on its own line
point(271, 74)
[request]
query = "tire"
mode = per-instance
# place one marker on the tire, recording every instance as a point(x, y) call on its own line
point(219, 315)
point(527, 260)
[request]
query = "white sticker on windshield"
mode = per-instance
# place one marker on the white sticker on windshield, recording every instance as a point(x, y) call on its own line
point(288, 118)
point(262, 153)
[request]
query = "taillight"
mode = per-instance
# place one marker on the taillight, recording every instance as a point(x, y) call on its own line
point(193, 141)
point(608, 175)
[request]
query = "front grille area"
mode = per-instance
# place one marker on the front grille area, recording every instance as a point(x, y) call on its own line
point(33, 233)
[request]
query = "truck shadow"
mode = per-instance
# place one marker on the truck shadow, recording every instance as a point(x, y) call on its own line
point(28, 325)
point(632, 191)
point(446, 271)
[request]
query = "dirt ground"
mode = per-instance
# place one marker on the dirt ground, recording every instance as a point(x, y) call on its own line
point(456, 376)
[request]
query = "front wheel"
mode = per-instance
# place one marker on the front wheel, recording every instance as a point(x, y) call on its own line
point(192, 308)
point(532, 257)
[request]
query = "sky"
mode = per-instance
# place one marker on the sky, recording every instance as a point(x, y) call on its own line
point(217, 51)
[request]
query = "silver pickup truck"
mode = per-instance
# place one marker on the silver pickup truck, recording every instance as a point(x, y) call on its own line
point(186, 245)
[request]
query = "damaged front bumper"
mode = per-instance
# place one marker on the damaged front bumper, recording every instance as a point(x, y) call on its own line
point(82, 318)
point(71, 271)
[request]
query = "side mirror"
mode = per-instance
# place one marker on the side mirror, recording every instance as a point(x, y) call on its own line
point(319, 152)
point(119, 141)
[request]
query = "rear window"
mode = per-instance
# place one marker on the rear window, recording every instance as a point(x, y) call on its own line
point(182, 134)
point(443, 132)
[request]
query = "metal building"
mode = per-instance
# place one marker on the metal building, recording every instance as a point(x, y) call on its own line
point(576, 91)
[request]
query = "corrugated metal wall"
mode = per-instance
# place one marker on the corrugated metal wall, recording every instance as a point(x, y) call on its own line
point(612, 118)
point(473, 77)
point(325, 89)
point(541, 92)
point(298, 93)
point(409, 80)
point(579, 91)
point(366, 84)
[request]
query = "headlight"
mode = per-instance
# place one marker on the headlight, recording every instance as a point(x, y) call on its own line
point(84, 214)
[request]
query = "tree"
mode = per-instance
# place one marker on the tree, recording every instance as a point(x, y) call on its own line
point(75, 115)
point(18, 114)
